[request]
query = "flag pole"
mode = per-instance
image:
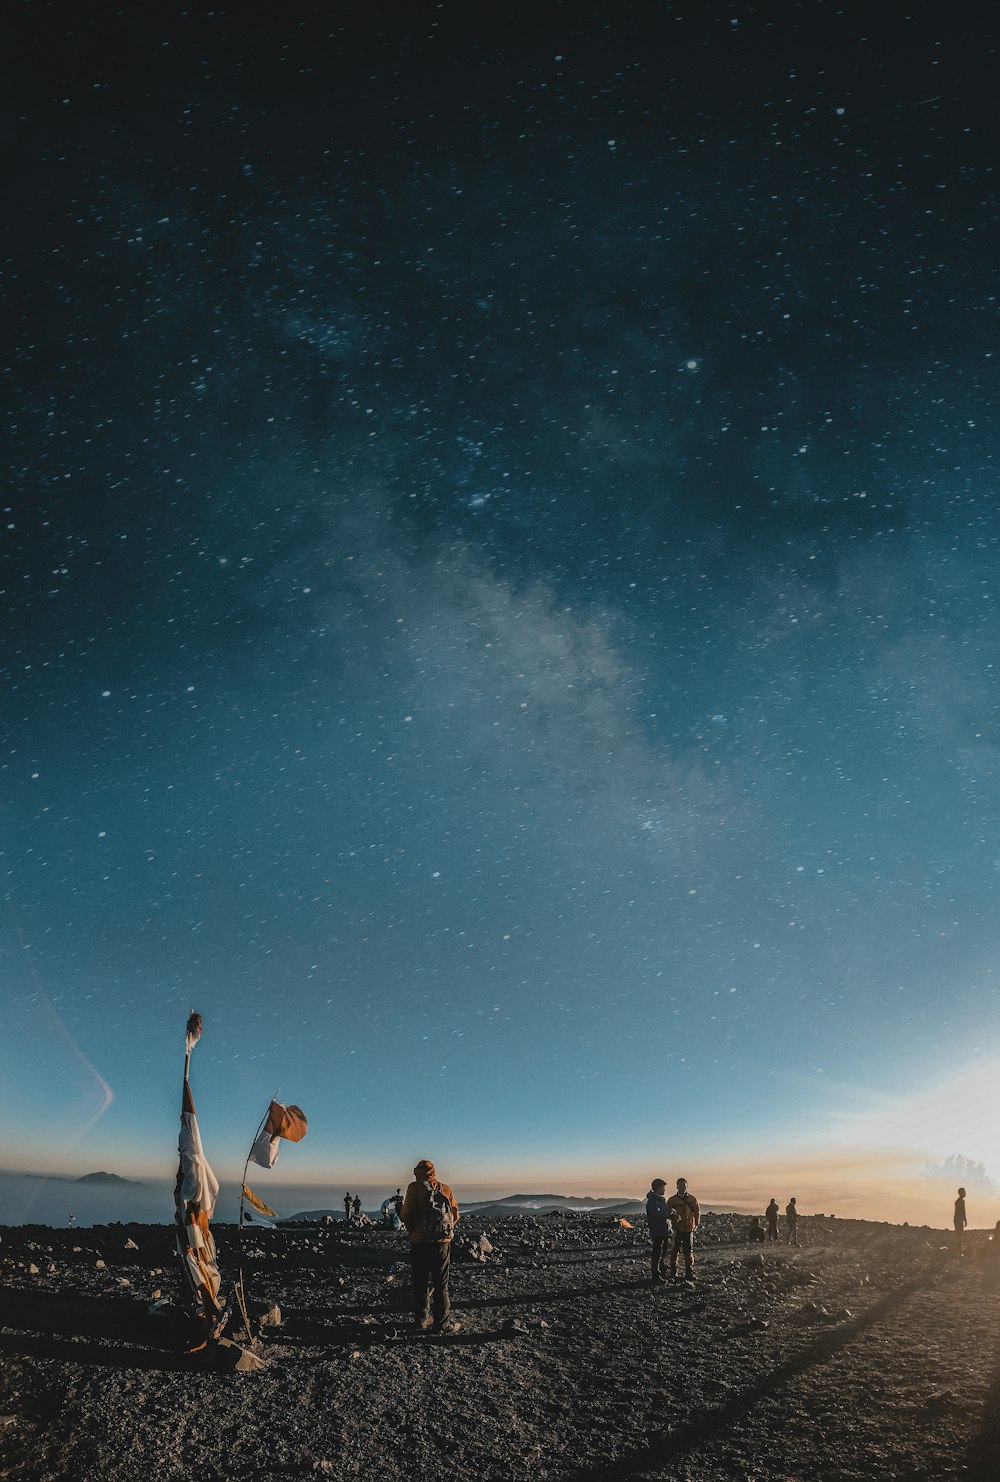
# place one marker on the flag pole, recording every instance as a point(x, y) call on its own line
point(246, 1165)
point(241, 1284)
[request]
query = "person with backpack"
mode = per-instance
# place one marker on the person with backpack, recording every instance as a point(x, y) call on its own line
point(685, 1215)
point(430, 1215)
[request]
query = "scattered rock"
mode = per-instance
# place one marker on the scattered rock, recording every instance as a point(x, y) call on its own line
point(232, 1358)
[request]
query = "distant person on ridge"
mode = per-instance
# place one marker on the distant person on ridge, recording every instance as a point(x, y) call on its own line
point(771, 1215)
point(356, 1206)
point(658, 1220)
point(397, 1200)
point(347, 1206)
point(961, 1221)
point(755, 1234)
point(685, 1215)
point(430, 1215)
point(791, 1220)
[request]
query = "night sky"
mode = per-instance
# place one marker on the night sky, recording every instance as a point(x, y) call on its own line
point(500, 584)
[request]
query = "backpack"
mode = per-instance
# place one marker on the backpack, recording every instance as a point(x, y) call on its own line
point(439, 1218)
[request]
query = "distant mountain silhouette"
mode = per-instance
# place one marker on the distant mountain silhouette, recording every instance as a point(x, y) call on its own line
point(107, 1178)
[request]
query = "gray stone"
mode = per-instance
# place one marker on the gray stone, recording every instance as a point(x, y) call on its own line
point(232, 1358)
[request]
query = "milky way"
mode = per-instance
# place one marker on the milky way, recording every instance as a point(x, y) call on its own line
point(500, 574)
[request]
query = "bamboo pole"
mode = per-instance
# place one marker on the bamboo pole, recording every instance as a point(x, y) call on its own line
point(241, 1291)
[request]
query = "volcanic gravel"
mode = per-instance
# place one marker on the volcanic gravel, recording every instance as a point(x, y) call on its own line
point(871, 1351)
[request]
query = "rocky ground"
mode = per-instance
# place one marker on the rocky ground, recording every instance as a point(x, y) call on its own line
point(869, 1352)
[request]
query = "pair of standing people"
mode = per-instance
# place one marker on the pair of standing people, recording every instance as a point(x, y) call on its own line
point(672, 1222)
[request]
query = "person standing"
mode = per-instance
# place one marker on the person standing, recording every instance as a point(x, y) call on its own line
point(771, 1215)
point(685, 1216)
point(658, 1220)
point(347, 1207)
point(397, 1200)
point(430, 1215)
point(356, 1206)
point(791, 1223)
point(961, 1221)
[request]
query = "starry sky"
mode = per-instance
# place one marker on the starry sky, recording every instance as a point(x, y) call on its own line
point(500, 586)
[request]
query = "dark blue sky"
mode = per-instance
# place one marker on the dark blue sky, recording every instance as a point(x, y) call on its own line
point(499, 576)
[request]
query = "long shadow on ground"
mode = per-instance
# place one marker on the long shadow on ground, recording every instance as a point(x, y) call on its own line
point(111, 1332)
point(669, 1448)
point(982, 1462)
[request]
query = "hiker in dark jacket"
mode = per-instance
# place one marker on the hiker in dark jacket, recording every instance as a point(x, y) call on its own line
point(771, 1215)
point(660, 1230)
point(430, 1215)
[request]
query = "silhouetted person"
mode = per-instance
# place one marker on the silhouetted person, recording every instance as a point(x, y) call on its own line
point(430, 1215)
point(356, 1205)
point(658, 1220)
point(791, 1222)
point(755, 1234)
point(397, 1200)
point(961, 1221)
point(685, 1215)
point(347, 1206)
point(771, 1215)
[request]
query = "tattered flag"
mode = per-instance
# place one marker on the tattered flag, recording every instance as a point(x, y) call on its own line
point(193, 1032)
point(288, 1122)
point(195, 1193)
point(258, 1202)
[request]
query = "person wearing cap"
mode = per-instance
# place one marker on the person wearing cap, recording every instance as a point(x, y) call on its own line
point(430, 1214)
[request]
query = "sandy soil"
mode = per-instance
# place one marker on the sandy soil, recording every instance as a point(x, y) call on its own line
point(869, 1352)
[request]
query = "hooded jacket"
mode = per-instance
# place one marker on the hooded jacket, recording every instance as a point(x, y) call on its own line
point(415, 1202)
